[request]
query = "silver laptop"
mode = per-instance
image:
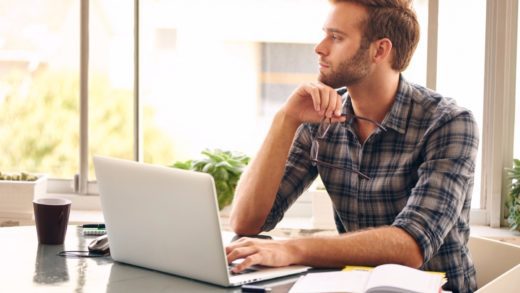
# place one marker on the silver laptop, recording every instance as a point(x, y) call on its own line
point(167, 220)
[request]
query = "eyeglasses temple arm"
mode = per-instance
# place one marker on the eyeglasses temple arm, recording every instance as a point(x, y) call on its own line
point(373, 121)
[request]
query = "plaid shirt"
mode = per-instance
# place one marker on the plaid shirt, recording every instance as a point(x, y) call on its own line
point(421, 177)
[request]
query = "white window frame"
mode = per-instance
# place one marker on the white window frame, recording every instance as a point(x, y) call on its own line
point(499, 104)
point(80, 184)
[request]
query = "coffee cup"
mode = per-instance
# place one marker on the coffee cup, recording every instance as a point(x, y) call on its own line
point(52, 217)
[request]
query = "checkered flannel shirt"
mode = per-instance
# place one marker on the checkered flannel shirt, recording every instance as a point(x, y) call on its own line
point(421, 177)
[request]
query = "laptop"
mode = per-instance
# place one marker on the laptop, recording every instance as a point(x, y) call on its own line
point(167, 220)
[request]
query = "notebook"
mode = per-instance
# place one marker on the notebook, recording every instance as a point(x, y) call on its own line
point(176, 215)
point(385, 278)
point(94, 231)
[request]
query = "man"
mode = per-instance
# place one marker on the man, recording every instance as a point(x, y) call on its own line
point(398, 165)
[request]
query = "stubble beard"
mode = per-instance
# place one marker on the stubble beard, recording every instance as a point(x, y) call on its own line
point(348, 72)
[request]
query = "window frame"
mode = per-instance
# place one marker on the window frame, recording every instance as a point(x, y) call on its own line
point(499, 104)
point(499, 107)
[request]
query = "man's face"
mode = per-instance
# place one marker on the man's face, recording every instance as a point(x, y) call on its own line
point(343, 54)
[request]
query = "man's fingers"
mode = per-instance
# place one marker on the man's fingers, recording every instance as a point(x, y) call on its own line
point(249, 261)
point(314, 93)
point(339, 119)
point(325, 100)
point(310, 102)
point(333, 98)
point(240, 252)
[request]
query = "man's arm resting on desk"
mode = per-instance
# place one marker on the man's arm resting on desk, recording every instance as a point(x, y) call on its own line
point(368, 247)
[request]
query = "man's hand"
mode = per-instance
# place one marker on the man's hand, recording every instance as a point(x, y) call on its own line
point(273, 253)
point(371, 247)
point(311, 102)
point(258, 185)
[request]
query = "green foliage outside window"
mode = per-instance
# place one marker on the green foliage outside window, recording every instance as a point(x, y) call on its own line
point(39, 118)
point(513, 202)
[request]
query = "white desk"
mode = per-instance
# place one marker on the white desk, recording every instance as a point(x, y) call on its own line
point(27, 266)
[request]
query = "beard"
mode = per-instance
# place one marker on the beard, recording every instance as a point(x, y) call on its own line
point(348, 72)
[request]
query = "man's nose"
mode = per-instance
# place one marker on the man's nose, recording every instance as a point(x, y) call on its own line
point(320, 48)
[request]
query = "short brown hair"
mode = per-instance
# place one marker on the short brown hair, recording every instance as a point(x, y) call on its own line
point(392, 19)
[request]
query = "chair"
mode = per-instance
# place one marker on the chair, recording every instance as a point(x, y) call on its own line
point(493, 258)
point(507, 282)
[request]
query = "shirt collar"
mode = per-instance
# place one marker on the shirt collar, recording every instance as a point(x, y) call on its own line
point(397, 117)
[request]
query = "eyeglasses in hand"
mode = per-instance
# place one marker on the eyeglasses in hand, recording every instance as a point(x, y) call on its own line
point(321, 133)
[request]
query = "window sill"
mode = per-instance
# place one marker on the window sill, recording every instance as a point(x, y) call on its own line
point(502, 234)
point(80, 202)
point(87, 209)
point(288, 227)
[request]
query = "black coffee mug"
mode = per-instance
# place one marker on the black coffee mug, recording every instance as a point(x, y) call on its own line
point(52, 217)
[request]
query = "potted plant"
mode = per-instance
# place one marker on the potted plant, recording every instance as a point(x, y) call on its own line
point(225, 167)
point(513, 202)
point(17, 191)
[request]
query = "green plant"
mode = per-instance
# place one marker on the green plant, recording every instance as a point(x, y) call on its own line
point(22, 176)
point(513, 202)
point(225, 167)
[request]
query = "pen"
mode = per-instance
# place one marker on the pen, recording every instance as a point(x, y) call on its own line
point(99, 226)
point(251, 288)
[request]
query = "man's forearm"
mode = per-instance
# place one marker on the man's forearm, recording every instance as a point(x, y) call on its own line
point(258, 185)
point(369, 247)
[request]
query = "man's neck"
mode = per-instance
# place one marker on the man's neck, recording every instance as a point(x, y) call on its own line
point(374, 97)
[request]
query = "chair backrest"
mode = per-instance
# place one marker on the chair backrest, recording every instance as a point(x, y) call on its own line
point(492, 258)
point(505, 283)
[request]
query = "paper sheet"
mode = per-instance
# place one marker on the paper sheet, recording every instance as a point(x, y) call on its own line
point(331, 282)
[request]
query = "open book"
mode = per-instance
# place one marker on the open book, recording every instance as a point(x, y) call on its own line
point(384, 278)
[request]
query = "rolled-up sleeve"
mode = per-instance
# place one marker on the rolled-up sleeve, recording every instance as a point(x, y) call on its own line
point(445, 176)
point(298, 176)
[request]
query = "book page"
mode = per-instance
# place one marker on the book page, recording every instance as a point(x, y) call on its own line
point(398, 278)
point(354, 282)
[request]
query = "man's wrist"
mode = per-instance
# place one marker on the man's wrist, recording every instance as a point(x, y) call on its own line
point(288, 122)
point(295, 249)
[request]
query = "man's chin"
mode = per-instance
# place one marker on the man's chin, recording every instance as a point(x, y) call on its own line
point(323, 79)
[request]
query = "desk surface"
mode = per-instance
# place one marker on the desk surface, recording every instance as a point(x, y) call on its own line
point(27, 266)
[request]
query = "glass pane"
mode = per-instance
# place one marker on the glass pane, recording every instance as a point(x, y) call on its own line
point(461, 62)
point(516, 150)
point(416, 71)
point(208, 75)
point(39, 86)
point(111, 66)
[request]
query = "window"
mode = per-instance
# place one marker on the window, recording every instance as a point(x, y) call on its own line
point(284, 67)
point(416, 71)
point(516, 148)
point(39, 79)
point(209, 83)
point(516, 151)
point(460, 67)
point(111, 80)
point(211, 75)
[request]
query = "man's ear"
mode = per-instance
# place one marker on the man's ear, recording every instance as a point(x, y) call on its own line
point(382, 49)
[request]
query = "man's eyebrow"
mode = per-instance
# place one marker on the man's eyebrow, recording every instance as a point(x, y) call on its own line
point(333, 30)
